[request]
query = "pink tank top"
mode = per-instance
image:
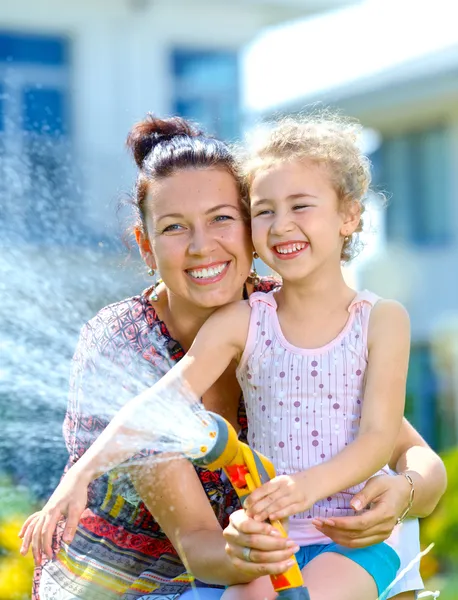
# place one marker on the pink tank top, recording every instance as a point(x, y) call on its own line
point(304, 406)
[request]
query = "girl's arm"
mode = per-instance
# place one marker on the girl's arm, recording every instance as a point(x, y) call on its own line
point(181, 507)
point(221, 338)
point(219, 341)
point(383, 407)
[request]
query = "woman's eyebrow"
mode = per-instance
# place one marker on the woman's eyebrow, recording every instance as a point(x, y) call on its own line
point(207, 212)
point(219, 206)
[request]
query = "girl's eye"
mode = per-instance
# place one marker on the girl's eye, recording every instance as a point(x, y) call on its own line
point(299, 206)
point(174, 227)
point(263, 212)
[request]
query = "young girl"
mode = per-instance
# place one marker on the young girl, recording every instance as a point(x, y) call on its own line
point(322, 367)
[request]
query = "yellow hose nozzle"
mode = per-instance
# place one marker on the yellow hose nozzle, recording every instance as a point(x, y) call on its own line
point(246, 469)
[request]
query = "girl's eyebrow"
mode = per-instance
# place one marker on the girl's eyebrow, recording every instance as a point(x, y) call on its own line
point(290, 197)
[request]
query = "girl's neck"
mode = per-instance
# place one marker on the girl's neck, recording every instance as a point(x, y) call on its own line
point(324, 292)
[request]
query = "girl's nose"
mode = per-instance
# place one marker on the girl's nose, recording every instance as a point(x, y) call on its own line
point(281, 224)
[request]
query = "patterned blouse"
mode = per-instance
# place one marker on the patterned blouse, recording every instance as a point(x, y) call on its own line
point(119, 551)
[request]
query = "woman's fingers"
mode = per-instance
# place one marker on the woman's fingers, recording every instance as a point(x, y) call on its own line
point(260, 556)
point(25, 525)
point(36, 540)
point(370, 492)
point(240, 522)
point(47, 531)
point(353, 542)
point(265, 568)
point(27, 532)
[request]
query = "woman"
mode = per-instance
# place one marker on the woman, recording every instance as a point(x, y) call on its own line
point(191, 227)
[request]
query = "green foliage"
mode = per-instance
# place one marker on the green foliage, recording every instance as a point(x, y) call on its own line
point(442, 526)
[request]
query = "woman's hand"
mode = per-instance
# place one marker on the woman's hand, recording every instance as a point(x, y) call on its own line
point(270, 553)
point(387, 496)
point(68, 500)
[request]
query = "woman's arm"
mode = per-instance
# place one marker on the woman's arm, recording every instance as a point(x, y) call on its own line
point(387, 496)
point(413, 455)
point(175, 497)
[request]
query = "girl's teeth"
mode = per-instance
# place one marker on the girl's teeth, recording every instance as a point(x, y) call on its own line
point(207, 273)
point(290, 249)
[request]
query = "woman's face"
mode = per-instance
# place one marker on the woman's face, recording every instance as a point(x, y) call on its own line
point(199, 241)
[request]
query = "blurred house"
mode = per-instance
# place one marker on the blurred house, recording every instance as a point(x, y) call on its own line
point(404, 89)
point(74, 77)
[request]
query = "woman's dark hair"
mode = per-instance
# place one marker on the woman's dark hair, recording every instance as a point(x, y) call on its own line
point(161, 147)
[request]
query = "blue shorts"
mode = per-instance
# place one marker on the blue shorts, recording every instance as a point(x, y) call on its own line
point(379, 560)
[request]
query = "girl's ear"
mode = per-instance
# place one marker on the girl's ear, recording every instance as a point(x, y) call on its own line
point(351, 218)
point(144, 247)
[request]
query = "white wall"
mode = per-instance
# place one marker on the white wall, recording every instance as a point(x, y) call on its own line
point(120, 70)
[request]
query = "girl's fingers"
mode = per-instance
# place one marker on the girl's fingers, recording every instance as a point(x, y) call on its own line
point(260, 493)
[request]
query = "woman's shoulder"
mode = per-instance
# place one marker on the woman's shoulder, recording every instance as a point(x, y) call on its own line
point(125, 318)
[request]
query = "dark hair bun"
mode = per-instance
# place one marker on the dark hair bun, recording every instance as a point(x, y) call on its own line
point(146, 134)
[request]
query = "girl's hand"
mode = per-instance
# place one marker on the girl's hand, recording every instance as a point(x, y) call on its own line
point(387, 495)
point(68, 500)
point(270, 553)
point(281, 497)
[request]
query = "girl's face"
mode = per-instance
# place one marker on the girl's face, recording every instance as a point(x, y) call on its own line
point(297, 225)
point(197, 237)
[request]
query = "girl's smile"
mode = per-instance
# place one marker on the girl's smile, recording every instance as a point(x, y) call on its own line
point(289, 250)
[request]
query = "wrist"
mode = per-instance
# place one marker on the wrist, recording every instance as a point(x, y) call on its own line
point(313, 481)
point(83, 472)
point(410, 489)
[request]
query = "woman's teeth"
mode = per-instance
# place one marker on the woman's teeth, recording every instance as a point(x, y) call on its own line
point(290, 248)
point(207, 273)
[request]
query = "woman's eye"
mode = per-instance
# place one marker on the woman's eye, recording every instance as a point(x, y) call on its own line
point(174, 227)
point(220, 218)
point(299, 206)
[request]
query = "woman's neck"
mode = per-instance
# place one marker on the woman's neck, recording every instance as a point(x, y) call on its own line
point(183, 319)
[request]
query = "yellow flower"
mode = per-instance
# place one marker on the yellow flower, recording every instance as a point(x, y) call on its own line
point(9, 530)
point(15, 578)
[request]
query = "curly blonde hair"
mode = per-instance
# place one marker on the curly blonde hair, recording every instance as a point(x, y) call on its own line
point(325, 138)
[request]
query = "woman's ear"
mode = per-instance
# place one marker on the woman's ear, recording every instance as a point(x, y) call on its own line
point(144, 247)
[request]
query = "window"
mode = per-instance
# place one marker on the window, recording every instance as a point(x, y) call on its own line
point(35, 150)
point(422, 394)
point(206, 90)
point(414, 170)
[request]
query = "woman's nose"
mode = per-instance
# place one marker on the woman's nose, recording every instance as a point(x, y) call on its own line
point(202, 242)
